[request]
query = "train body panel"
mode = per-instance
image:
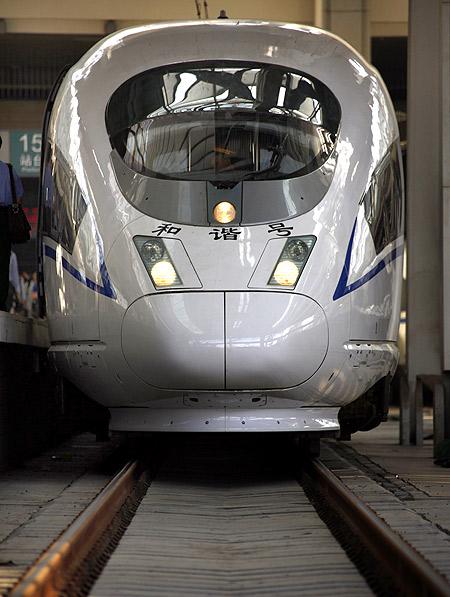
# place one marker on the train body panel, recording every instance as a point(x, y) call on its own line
point(225, 342)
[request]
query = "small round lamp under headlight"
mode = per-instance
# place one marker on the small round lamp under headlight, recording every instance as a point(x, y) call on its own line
point(163, 273)
point(286, 273)
point(224, 212)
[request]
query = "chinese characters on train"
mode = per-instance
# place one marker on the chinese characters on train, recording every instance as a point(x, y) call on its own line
point(280, 229)
point(230, 233)
point(225, 233)
point(166, 229)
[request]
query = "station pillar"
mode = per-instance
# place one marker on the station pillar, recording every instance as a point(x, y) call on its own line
point(347, 18)
point(427, 211)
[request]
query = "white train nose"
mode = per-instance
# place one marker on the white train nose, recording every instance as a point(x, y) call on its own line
point(273, 339)
point(176, 341)
point(218, 341)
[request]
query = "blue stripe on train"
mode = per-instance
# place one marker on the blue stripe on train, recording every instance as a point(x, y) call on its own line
point(343, 287)
point(105, 290)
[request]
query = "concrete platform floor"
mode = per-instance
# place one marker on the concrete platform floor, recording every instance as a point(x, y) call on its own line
point(42, 497)
point(426, 483)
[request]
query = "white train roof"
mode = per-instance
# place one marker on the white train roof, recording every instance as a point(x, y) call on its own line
point(78, 121)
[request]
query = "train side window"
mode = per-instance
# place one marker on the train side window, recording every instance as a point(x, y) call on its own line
point(47, 191)
point(64, 204)
point(383, 200)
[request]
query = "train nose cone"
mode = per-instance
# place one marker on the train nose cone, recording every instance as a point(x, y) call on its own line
point(273, 339)
point(225, 341)
point(176, 341)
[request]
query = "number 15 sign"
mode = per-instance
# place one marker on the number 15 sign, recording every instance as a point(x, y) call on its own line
point(25, 152)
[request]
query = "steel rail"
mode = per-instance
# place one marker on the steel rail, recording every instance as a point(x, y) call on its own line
point(48, 576)
point(397, 557)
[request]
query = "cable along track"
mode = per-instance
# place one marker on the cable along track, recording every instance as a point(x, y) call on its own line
point(227, 515)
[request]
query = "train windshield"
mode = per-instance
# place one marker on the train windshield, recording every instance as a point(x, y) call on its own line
point(223, 122)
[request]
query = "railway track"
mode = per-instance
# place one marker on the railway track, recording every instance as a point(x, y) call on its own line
point(216, 519)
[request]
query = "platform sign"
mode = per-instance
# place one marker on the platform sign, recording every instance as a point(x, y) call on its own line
point(25, 152)
point(4, 149)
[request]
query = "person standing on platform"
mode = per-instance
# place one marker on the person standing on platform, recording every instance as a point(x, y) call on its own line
point(14, 285)
point(6, 199)
point(25, 293)
point(14, 277)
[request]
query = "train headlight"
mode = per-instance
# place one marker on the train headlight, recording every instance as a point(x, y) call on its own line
point(224, 212)
point(157, 261)
point(152, 250)
point(297, 249)
point(163, 274)
point(286, 273)
point(292, 260)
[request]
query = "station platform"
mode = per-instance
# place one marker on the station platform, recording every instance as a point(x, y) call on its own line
point(407, 471)
point(37, 410)
point(16, 329)
point(27, 386)
point(40, 498)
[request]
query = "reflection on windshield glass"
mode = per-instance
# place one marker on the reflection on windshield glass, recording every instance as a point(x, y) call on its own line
point(223, 122)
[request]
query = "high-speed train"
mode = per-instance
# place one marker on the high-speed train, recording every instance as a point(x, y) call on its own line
point(221, 229)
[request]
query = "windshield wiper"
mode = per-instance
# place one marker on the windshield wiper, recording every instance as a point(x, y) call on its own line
point(278, 154)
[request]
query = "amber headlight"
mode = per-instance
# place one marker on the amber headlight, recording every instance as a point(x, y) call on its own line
point(157, 261)
point(224, 212)
point(292, 260)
